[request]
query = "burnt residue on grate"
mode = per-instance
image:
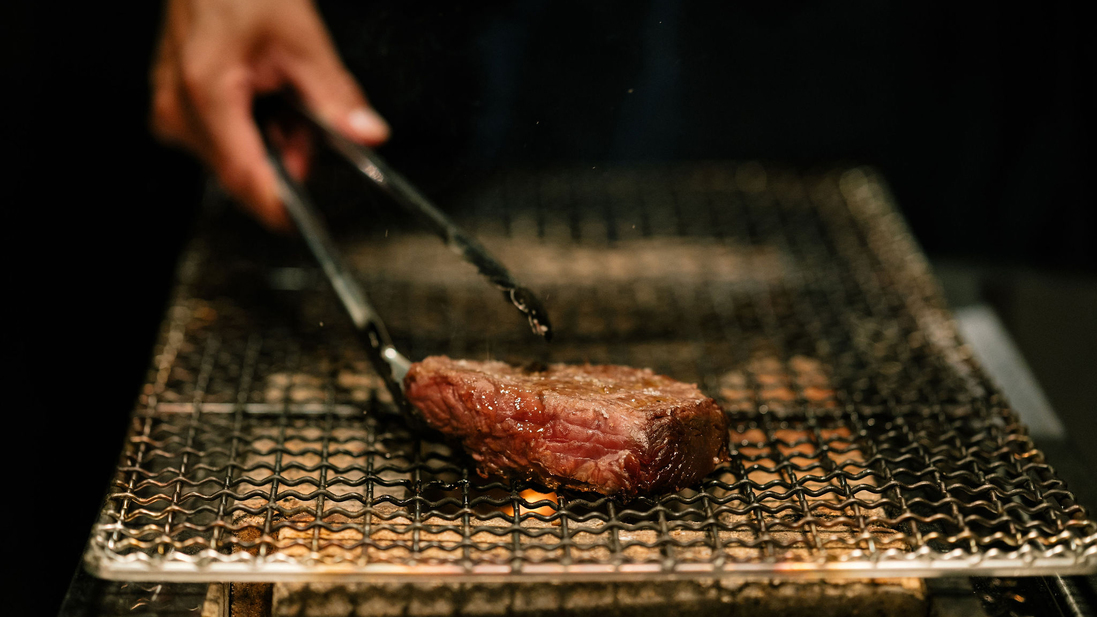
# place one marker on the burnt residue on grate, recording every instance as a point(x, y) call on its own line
point(864, 438)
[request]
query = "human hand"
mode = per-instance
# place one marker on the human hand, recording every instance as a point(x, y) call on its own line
point(216, 56)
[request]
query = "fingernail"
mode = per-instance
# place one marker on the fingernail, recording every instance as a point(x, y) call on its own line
point(366, 124)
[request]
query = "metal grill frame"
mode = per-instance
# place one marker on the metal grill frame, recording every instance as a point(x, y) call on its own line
point(923, 472)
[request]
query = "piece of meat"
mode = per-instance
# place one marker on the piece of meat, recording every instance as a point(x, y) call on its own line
point(611, 429)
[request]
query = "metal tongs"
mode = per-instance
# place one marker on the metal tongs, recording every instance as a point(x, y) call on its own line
point(386, 359)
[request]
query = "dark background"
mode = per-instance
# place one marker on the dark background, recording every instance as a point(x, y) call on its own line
point(980, 116)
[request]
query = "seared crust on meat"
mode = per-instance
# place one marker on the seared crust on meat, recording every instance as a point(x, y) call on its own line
point(615, 430)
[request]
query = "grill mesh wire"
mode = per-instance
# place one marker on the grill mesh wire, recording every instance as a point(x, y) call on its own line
point(863, 436)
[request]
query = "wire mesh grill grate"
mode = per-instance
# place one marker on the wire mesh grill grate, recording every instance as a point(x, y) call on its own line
point(864, 439)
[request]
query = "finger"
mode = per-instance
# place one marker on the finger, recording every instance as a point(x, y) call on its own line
point(327, 88)
point(295, 142)
point(332, 93)
point(167, 117)
point(234, 147)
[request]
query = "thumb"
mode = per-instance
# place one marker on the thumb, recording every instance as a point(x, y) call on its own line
point(330, 91)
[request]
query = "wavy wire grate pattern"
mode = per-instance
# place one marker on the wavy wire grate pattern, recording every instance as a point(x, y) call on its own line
point(864, 439)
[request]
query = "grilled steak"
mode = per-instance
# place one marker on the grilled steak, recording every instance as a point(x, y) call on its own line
point(611, 429)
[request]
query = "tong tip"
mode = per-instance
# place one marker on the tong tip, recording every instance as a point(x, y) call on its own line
point(530, 306)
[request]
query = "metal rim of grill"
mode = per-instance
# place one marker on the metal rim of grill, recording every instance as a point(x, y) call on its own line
point(865, 439)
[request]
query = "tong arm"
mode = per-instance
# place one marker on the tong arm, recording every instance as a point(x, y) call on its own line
point(389, 363)
point(373, 167)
